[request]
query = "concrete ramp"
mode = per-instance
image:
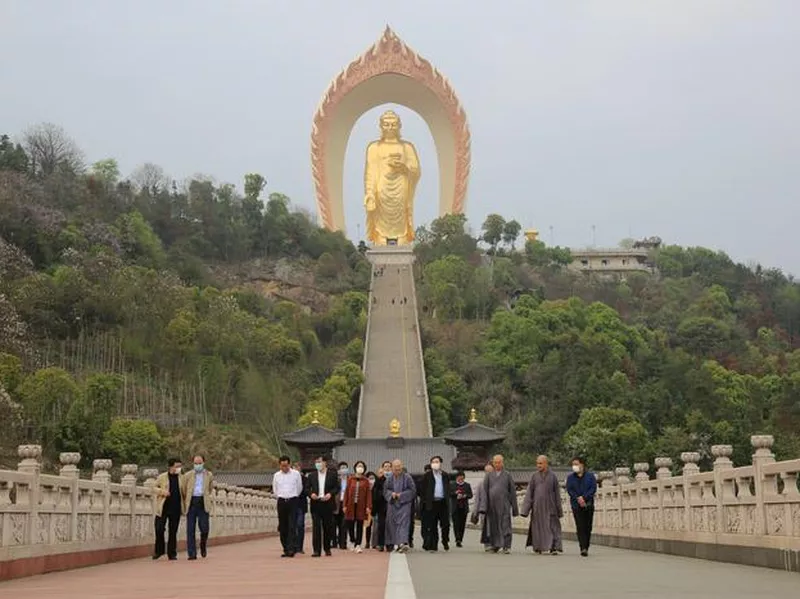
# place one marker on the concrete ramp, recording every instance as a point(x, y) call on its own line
point(394, 373)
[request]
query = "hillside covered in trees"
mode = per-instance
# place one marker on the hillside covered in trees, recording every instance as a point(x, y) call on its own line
point(707, 352)
point(141, 316)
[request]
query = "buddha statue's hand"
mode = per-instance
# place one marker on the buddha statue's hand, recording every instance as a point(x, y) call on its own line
point(399, 166)
point(369, 202)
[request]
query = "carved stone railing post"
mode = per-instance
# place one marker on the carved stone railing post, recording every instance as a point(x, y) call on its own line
point(623, 475)
point(722, 461)
point(69, 464)
point(101, 474)
point(607, 476)
point(128, 480)
point(691, 460)
point(762, 444)
point(28, 494)
point(101, 470)
point(129, 472)
point(69, 469)
point(150, 476)
point(642, 470)
point(30, 459)
point(663, 467)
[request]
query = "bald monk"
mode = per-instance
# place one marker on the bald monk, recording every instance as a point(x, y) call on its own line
point(543, 503)
point(400, 493)
point(498, 503)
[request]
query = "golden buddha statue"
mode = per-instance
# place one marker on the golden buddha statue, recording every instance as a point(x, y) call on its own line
point(390, 180)
point(394, 427)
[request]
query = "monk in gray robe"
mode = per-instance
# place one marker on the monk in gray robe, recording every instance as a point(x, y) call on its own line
point(498, 505)
point(400, 492)
point(543, 503)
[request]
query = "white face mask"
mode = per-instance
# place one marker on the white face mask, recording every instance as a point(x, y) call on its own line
point(576, 468)
point(436, 466)
point(359, 470)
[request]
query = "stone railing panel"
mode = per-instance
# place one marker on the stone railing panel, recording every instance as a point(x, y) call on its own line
point(44, 514)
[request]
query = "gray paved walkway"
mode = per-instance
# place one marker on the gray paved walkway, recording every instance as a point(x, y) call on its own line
point(469, 573)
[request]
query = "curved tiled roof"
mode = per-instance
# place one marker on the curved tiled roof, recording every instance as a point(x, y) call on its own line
point(474, 432)
point(314, 435)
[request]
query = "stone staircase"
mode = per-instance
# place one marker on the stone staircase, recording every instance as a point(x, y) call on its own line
point(394, 385)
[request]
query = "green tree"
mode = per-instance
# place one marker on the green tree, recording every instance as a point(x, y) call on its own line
point(607, 437)
point(134, 442)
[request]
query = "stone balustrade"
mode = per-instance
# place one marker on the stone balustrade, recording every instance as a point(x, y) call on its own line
point(50, 522)
point(747, 514)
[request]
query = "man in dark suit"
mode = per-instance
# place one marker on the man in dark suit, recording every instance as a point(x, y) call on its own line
point(460, 494)
point(435, 504)
point(322, 487)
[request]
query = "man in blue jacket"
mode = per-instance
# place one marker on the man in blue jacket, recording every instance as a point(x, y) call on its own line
point(581, 488)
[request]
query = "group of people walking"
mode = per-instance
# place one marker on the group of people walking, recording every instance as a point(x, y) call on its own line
point(378, 509)
point(187, 494)
point(367, 509)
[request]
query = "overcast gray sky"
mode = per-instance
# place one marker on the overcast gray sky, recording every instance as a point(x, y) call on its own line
point(676, 118)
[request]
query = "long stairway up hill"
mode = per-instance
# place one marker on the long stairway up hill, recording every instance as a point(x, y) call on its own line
point(394, 374)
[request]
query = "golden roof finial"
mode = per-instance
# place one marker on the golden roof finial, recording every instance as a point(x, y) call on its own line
point(473, 416)
point(394, 427)
point(315, 417)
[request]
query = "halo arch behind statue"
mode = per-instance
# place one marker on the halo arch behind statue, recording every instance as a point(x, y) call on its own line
point(388, 73)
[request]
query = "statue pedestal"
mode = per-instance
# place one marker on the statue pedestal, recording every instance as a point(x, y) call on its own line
point(391, 255)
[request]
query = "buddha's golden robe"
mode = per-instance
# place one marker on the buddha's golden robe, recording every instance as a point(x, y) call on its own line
point(389, 190)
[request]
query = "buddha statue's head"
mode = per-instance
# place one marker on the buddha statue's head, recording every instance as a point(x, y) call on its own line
point(390, 126)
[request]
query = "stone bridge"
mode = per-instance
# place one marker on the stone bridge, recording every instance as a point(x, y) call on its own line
point(648, 533)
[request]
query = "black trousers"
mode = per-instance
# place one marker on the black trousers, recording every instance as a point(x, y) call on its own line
point(356, 530)
point(340, 538)
point(584, 518)
point(287, 512)
point(432, 520)
point(321, 530)
point(460, 523)
point(169, 520)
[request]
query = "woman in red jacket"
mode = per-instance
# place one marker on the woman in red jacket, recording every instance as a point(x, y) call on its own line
point(357, 504)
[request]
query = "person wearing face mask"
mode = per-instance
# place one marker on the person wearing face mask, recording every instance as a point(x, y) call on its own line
point(322, 488)
point(581, 488)
point(339, 520)
point(460, 494)
point(197, 485)
point(379, 507)
point(435, 500)
point(169, 504)
point(543, 503)
point(357, 505)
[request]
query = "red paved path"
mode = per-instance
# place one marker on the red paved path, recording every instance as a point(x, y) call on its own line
point(252, 569)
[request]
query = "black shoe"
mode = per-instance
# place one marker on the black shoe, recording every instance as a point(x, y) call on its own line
point(584, 552)
point(203, 552)
point(458, 544)
point(284, 555)
point(553, 552)
point(192, 558)
point(446, 546)
point(173, 558)
point(157, 555)
point(315, 555)
point(328, 553)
